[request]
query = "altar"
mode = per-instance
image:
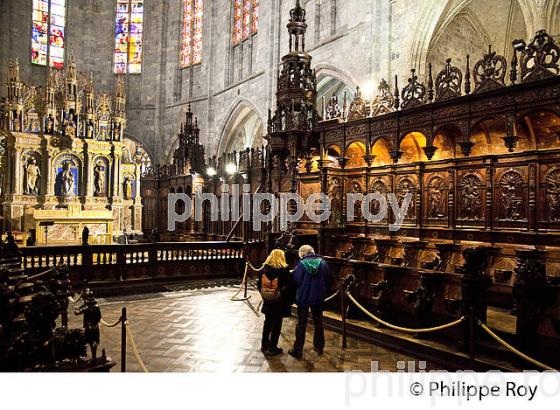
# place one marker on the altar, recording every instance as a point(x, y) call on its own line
point(66, 226)
point(65, 162)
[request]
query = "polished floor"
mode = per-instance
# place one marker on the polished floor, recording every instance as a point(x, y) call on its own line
point(203, 331)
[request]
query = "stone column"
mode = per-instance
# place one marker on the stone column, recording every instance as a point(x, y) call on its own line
point(48, 180)
point(137, 199)
point(116, 175)
point(18, 172)
point(88, 170)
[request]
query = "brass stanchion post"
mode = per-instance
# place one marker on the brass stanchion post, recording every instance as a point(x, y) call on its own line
point(343, 311)
point(123, 340)
point(346, 283)
point(472, 324)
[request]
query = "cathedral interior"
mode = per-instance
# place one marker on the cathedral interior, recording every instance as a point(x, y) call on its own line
point(117, 114)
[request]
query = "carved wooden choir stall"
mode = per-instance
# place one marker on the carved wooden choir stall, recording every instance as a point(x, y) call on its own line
point(476, 148)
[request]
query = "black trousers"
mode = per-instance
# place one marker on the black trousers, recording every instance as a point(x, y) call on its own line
point(318, 331)
point(271, 331)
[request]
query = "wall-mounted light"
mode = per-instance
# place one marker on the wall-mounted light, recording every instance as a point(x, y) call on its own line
point(211, 172)
point(231, 168)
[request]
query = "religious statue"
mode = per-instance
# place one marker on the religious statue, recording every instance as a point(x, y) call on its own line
point(17, 124)
point(66, 180)
point(102, 134)
point(407, 187)
point(50, 125)
point(512, 200)
point(511, 203)
point(128, 188)
point(69, 125)
point(375, 206)
point(553, 195)
point(356, 189)
point(89, 129)
point(99, 179)
point(32, 174)
point(92, 317)
point(35, 125)
point(335, 202)
point(117, 132)
point(436, 200)
point(471, 199)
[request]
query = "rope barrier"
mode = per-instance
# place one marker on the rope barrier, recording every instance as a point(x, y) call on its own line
point(71, 299)
point(42, 273)
point(332, 296)
point(134, 348)
point(513, 349)
point(119, 320)
point(234, 298)
point(255, 269)
point(404, 329)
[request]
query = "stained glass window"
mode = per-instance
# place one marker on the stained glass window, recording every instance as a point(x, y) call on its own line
point(47, 37)
point(256, 5)
point(237, 17)
point(129, 25)
point(191, 36)
point(245, 19)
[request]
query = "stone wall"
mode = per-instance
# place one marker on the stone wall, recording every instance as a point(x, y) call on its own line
point(355, 41)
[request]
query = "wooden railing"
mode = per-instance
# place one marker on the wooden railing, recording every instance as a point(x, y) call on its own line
point(120, 263)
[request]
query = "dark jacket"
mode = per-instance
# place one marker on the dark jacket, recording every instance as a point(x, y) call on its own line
point(283, 307)
point(313, 279)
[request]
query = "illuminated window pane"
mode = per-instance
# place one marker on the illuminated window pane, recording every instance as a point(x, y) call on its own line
point(186, 34)
point(237, 17)
point(256, 5)
point(191, 34)
point(245, 19)
point(129, 27)
point(198, 14)
point(47, 32)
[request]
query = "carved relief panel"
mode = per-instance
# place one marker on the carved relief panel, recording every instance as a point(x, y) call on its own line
point(306, 189)
point(335, 195)
point(355, 185)
point(436, 200)
point(470, 199)
point(378, 185)
point(407, 184)
point(510, 196)
point(549, 196)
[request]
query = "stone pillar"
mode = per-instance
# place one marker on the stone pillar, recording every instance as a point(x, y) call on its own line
point(137, 208)
point(88, 176)
point(137, 198)
point(116, 175)
point(50, 176)
point(18, 172)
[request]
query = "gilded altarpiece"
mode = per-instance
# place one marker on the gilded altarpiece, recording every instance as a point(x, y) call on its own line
point(65, 165)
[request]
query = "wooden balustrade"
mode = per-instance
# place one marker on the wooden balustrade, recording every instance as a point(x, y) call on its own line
point(427, 294)
point(119, 263)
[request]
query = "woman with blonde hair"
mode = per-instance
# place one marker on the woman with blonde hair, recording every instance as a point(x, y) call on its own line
point(277, 290)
